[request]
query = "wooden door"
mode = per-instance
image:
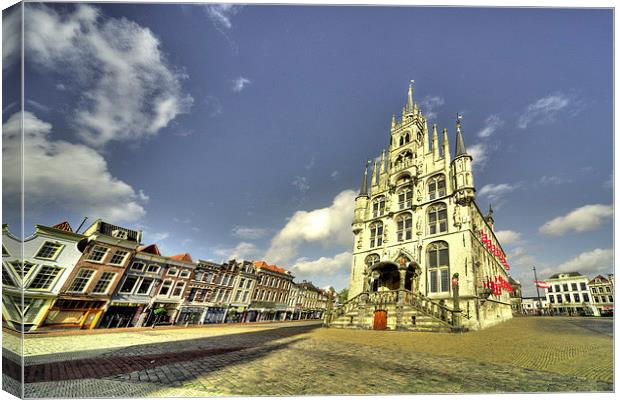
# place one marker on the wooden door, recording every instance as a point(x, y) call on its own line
point(380, 320)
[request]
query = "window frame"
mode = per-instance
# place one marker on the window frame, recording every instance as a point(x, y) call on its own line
point(404, 232)
point(133, 264)
point(376, 234)
point(88, 280)
point(407, 197)
point(107, 288)
point(122, 260)
point(137, 289)
point(101, 260)
point(133, 287)
point(436, 209)
point(436, 272)
point(56, 253)
point(436, 180)
point(52, 282)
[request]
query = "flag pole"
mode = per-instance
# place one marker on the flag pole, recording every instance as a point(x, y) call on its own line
point(537, 290)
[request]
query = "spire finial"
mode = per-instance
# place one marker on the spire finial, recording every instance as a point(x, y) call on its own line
point(364, 187)
point(373, 180)
point(410, 105)
point(382, 166)
point(460, 144)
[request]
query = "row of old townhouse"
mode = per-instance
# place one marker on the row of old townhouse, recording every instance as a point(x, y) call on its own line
point(105, 277)
point(568, 293)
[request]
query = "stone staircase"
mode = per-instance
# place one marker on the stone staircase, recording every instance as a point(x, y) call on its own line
point(405, 311)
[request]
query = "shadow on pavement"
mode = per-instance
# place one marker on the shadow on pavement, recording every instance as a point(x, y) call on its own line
point(136, 358)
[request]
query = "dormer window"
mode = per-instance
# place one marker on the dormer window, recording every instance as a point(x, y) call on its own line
point(119, 234)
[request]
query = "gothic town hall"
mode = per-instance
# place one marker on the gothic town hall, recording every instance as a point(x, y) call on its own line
point(425, 257)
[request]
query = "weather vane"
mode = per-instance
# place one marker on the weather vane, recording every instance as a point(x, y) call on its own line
point(459, 117)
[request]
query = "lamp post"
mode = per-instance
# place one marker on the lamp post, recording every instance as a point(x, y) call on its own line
point(539, 307)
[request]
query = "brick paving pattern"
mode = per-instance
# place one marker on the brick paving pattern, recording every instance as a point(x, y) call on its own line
point(522, 355)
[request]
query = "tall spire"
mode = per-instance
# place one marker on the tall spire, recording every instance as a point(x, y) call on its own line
point(373, 181)
point(460, 145)
point(435, 143)
point(393, 120)
point(410, 97)
point(364, 187)
point(446, 146)
point(382, 166)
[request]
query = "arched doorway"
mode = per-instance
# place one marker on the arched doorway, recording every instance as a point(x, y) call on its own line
point(384, 276)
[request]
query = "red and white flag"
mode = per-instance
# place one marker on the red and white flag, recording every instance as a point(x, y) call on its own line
point(542, 285)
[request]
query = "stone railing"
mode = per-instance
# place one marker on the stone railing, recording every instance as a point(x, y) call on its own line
point(416, 300)
point(430, 307)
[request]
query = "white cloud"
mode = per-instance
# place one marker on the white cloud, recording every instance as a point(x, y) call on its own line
point(221, 14)
point(63, 175)
point(335, 175)
point(240, 83)
point(543, 110)
point(242, 251)
point(582, 219)
point(213, 106)
point(245, 232)
point(301, 183)
point(508, 237)
point(430, 104)
point(478, 152)
point(127, 89)
point(554, 180)
point(156, 237)
point(11, 37)
point(495, 192)
point(492, 123)
point(322, 266)
point(597, 261)
point(327, 226)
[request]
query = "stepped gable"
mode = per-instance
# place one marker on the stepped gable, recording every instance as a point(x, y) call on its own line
point(151, 249)
point(63, 226)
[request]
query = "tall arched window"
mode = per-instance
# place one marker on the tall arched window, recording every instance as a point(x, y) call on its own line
point(378, 207)
point(405, 196)
point(437, 219)
point(403, 227)
point(376, 234)
point(438, 264)
point(371, 259)
point(407, 138)
point(437, 186)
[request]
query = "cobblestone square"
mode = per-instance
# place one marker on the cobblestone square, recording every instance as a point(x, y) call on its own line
point(527, 354)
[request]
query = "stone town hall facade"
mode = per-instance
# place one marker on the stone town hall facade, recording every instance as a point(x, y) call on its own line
point(424, 256)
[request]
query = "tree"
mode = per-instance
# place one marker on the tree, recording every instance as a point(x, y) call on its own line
point(343, 295)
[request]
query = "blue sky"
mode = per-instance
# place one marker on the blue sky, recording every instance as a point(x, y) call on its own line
point(243, 131)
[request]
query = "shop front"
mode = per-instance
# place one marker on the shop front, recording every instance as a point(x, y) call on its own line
point(190, 315)
point(75, 313)
point(122, 315)
point(161, 313)
point(215, 315)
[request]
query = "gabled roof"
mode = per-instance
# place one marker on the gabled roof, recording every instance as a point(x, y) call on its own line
point(151, 249)
point(63, 226)
point(182, 257)
point(264, 265)
point(601, 278)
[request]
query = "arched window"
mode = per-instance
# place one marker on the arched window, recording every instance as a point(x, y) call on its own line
point(376, 234)
point(403, 227)
point(405, 195)
point(400, 142)
point(407, 138)
point(378, 207)
point(406, 157)
point(437, 186)
point(438, 263)
point(371, 259)
point(437, 219)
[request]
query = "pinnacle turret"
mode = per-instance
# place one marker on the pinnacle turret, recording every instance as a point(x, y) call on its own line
point(460, 144)
point(364, 187)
